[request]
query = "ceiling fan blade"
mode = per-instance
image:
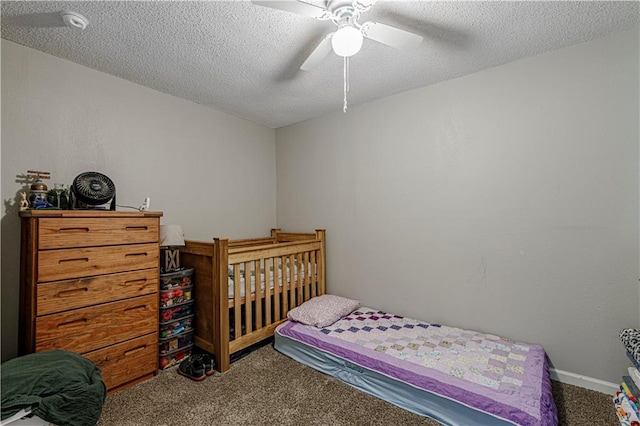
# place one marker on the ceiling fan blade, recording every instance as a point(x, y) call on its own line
point(391, 36)
point(319, 53)
point(363, 5)
point(304, 9)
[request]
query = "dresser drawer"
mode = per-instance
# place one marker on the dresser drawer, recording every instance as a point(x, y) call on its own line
point(54, 233)
point(54, 265)
point(58, 296)
point(86, 329)
point(126, 361)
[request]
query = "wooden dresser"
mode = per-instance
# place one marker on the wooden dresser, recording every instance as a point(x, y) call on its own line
point(89, 284)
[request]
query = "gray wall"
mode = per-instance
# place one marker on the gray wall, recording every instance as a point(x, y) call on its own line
point(213, 173)
point(504, 201)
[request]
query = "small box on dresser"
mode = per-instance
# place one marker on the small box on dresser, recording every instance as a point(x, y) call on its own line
point(89, 283)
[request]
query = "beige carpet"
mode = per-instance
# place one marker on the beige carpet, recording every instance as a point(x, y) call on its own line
point(268, 388)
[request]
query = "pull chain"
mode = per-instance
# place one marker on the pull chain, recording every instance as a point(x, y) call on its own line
point(346, 82)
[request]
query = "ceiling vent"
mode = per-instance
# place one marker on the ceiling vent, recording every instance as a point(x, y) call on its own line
point(74, 20)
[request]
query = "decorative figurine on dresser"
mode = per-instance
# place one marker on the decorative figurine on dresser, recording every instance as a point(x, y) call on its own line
point(38, 189)
point(24, 204)
point(89, 284)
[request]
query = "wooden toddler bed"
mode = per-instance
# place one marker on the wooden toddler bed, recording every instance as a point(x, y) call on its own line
point(278, 273)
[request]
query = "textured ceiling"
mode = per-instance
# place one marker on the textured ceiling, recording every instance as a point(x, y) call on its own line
point(244, 59)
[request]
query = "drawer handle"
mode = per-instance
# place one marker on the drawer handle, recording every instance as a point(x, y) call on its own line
point(135, 254)
point(105, 360)
point(102, 361)
point(142, 281)
point(135, 308)
point(73, 229)
point(74, 292)
point(136, 228)
point(72, 323)
point(135, 350)
point(79, 259)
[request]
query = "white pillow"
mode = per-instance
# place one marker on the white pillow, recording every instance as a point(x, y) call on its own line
point(323, 310)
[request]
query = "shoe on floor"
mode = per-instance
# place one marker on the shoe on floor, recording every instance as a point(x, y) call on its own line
point(192, 368)
point(208, 361)
point(209, 364)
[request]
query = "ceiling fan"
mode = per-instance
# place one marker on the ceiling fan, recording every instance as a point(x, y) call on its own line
point(347, 40)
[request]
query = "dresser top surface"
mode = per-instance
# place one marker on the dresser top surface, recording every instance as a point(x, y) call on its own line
point(87, 213)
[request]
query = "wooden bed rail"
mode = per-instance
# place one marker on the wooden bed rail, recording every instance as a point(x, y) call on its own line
point(276, 237)
point(244, 288)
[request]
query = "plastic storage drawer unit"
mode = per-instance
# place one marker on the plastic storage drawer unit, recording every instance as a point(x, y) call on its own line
point(174, 358)
point(174, 328)
point(176, 279)
point(175, 296)
point(173, 344)
point(175, 312)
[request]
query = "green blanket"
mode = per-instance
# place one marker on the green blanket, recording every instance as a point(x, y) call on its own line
point(59, 386)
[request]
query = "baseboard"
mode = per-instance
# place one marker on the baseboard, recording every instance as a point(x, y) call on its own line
point(583, 381)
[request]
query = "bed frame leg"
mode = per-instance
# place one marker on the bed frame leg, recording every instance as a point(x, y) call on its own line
point(221, 304)
point(322, 285)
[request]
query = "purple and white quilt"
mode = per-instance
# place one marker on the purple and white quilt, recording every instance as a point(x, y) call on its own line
point(492, 374)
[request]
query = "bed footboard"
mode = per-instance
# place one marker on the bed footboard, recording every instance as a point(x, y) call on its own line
point(244, 288)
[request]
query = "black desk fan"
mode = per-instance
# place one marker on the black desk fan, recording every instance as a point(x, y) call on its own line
point(92, 191)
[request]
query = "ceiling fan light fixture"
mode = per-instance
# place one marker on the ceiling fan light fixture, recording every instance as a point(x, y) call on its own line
point(347, 41)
